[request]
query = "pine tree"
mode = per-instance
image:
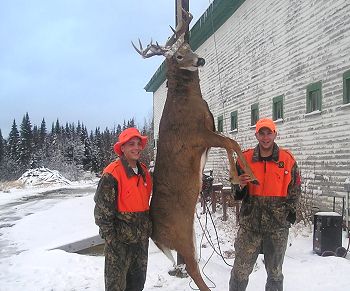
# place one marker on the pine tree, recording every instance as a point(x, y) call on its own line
point(13, 142)
point(68, 149)
point(3, 159)
point(131, 122)
point(67, 131)
point(147, 154)
point(26, 142)
point(97, 164)
point(78, 130)
point(2, 148)
point(43, 132)
point(118, 131)
point(36, 136)
point(57, 127)
point(87, 159)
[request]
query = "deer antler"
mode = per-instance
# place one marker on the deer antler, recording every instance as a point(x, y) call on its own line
point(151, 50)
point(173, 43)
point(180, 29)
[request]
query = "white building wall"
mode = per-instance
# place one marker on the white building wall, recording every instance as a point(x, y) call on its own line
point(159, 98)
point(278, 47)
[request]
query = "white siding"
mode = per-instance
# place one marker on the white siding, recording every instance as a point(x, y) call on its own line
point(278, 47)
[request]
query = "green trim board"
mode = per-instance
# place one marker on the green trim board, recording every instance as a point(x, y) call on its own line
point(234, 120)
point(277, 107)
point(220, 123)
point(314, 97)
point(212, 19)
point(254, 114)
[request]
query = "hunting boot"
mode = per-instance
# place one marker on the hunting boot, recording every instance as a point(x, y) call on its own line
point(272, 285)
point(236, 285)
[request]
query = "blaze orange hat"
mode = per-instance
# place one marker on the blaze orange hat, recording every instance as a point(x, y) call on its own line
point(125, 136)
point(265, 122)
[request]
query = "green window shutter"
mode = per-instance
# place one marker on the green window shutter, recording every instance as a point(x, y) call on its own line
point(254, 114)
point(234, 120)
point(346, 87)
point(277, 107)
point(220, 123)
point(314, 97)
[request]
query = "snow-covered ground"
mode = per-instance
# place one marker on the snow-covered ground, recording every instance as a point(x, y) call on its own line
point(31, 227)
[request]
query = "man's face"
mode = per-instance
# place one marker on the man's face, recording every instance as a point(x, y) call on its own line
point(132, 149)
point(266, 138)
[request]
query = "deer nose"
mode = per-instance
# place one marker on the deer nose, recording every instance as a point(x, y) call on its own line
point(200, 62)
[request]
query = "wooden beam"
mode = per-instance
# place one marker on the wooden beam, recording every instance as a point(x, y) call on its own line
point(179, 5)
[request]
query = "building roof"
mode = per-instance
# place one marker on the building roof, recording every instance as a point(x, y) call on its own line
point(211, 20)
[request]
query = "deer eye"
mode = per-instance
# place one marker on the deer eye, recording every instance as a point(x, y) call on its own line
point(179, 57)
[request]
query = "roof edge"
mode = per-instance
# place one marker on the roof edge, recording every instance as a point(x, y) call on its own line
point(211, 20)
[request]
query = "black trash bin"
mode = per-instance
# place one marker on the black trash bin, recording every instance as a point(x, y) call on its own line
point(327, 232)
point(207, 186)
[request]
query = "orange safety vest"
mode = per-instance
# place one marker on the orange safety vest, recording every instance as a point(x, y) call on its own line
point(273, 176)
point(133, 192)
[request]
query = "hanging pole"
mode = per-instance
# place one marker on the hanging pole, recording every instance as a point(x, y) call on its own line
point(179, 5)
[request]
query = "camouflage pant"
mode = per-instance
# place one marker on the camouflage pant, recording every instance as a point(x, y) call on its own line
point(125, 266)
point(248, 245)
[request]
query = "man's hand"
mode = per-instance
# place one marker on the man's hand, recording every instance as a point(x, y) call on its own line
point(243, 180)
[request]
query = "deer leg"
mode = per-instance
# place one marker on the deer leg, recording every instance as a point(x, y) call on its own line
point(193, 269)
point(212, 139)
point(233, 170)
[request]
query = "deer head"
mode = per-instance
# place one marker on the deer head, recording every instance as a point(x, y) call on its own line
point(176, 48)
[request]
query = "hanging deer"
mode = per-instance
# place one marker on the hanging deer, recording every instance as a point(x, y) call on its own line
point(186, 132)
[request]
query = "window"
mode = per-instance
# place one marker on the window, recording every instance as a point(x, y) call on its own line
point(220, 123)
point(313, 97)
point(277, 107)
point(254, 116)
point(234, 120)
point(346, 87)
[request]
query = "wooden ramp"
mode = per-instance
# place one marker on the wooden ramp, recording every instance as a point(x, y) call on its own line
point(93, 246)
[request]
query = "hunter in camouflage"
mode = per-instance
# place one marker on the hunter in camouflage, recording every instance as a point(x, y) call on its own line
point(267, 211)
point(122, 214)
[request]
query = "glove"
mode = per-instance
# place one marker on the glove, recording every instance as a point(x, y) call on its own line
point(238, 192)
point(291, 217)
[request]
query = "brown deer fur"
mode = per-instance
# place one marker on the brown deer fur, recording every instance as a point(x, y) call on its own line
point(186, 132)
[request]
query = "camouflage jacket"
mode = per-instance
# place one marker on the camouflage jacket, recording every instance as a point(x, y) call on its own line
point(125, 227)
point(265, 214)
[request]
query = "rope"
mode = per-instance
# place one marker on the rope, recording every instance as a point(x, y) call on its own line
point(200, 255)
point(216, 51)
point(223, 100)
point(208, 236)
point(206, 233)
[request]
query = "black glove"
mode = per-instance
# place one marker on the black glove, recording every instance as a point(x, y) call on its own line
point(238, 192)
point(292, 217)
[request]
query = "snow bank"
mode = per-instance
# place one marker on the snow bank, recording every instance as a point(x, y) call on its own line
point(42, 177)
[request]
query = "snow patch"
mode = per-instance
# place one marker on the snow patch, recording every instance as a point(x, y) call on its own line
point(43, 177)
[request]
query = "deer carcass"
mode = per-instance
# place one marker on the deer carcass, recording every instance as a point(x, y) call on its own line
point(186, 132)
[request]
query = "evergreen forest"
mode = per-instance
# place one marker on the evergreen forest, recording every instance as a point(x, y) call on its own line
point(68, 148)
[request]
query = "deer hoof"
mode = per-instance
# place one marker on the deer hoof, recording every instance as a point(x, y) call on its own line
point(255, 182)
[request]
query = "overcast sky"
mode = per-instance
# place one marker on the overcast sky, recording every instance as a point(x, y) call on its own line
point(72, 59)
